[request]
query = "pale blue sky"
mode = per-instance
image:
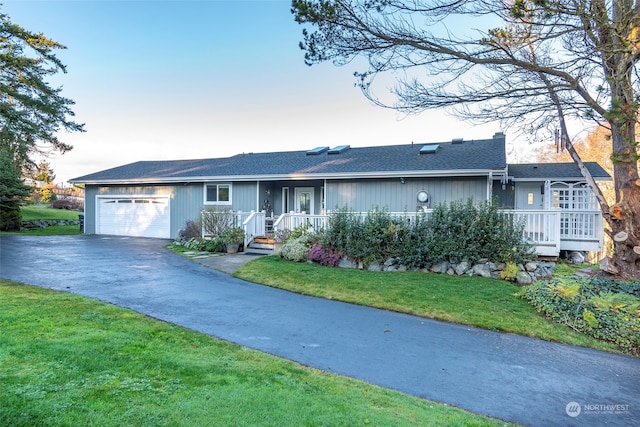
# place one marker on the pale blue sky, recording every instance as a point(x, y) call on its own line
point(157, 80)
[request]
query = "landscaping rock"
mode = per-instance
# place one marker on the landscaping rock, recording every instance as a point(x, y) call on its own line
point(530, 271)
point(374, 267)
point(462, 268)
point(481, 270)
point(531, 266)
point(347, 263)
point(43, 223)
point(440, 267)
point(523, 278)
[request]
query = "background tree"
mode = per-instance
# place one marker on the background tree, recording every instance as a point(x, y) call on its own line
point(44, 173)
point(12, 192)
point(31, 111)
point(540, 66)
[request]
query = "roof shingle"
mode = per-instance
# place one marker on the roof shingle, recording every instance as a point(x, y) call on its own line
point(486, 154)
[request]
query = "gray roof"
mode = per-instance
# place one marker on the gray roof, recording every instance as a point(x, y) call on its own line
point(555, 171)
point(468, 157)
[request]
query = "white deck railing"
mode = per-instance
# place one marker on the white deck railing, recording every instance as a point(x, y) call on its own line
point(254, 225)
point(549, 231)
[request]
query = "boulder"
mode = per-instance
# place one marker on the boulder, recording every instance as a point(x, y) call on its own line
point(481, 270)
point(523, 278)
point(440, 267)
point(461, 268)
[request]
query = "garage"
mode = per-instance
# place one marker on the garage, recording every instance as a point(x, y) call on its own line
point(134, 216)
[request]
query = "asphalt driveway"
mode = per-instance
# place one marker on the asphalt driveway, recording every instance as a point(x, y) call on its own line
point(514, 378)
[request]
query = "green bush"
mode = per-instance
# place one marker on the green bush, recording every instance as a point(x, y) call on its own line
point(203, 245)
point(371, 238)
point(460, 231)
point(604, 309)
point(296, 249)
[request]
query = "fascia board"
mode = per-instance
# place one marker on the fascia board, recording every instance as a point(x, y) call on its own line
point(294, 176)
point(564, 178)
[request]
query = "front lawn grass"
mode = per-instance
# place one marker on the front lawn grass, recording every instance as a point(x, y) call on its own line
point(476, 301)
point(66, 360)
point(44, 212)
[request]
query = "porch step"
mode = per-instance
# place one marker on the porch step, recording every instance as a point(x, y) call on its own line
point(258, 251)
point(262, 245)
point(256, 245)
point(264, 240)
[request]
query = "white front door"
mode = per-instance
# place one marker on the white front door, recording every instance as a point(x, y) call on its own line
point(304, 200)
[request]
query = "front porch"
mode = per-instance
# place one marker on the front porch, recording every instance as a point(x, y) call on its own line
point(550, 231)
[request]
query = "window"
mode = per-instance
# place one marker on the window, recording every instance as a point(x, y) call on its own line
point(530, 198)
point(217, 194)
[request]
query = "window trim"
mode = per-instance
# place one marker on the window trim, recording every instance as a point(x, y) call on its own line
point(217, 185)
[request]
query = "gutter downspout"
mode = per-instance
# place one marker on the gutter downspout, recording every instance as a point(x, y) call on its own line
point(323, 202)
point(257, 196)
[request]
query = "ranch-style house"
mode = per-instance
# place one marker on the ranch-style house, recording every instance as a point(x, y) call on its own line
point(270, 191)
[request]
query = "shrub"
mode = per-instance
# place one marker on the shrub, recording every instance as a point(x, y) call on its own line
point(464, 231)
point(211, 245)
point(371, 238)
point(295, 249)
point(191, 230)
point(202, 245)
point(324, 256)
point(510, 271)
point(68, 204)
point(604, 309)
point(215, 220)
point(232, 235)
point(282, 235)
point(459, 231)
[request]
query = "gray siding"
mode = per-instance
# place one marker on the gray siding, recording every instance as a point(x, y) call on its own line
point(244, 196)
point(186, 201)
point(391, 194)
point(523, 189)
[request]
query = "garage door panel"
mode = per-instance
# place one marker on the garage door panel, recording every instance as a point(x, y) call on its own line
point(143, 217)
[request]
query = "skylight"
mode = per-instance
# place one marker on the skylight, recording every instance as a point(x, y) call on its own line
point(339, 149)
point(429, 149)
point(317, 150)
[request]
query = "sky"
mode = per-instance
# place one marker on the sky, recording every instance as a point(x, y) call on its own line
point(168, 80)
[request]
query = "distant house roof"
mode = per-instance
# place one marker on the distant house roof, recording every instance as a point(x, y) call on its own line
point(449, 158)
point(555, 171)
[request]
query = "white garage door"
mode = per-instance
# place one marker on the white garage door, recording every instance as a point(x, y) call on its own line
point(134, 216)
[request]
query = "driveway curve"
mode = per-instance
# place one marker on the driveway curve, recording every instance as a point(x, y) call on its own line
point(514, 378)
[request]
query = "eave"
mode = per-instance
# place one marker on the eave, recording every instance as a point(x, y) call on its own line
point(294, 177)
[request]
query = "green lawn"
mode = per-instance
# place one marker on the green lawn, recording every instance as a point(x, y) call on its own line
point(44, 212)
point(476, 301)
point(66, 360)
point(34, 212)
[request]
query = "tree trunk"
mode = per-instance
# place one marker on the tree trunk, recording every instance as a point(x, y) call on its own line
point(624, 216)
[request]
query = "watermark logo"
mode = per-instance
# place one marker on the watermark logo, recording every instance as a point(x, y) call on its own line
point(573, 409)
